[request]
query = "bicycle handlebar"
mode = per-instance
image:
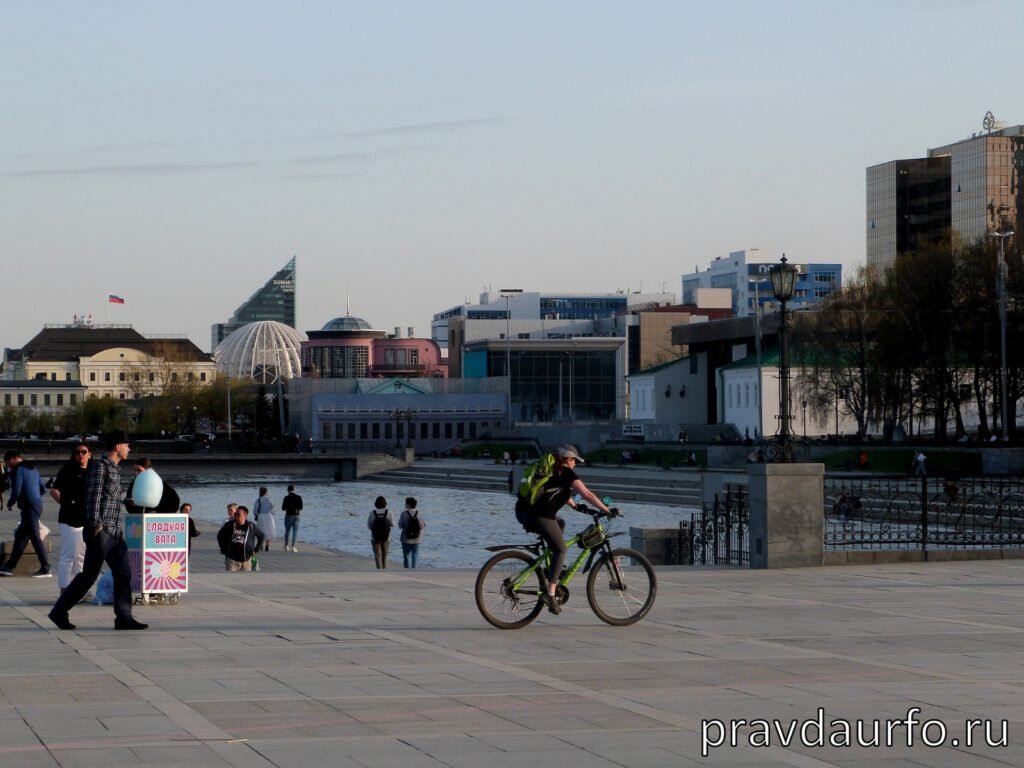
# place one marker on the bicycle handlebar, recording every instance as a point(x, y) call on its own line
point(596, 513)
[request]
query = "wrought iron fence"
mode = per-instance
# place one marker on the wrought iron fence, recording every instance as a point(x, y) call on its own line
point(720, 532)
point(886, 513)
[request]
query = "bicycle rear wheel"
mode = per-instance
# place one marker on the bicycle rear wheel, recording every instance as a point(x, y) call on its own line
point(501, 604)
point(619, 593)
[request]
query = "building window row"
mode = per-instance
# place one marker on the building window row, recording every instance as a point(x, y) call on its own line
point(388, 430)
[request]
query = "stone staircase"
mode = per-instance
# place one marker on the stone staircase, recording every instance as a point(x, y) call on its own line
point(680, 488)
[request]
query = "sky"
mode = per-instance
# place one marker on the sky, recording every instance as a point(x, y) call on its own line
point(413, 154)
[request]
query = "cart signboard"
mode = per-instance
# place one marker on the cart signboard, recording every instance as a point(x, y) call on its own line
point(158, 553)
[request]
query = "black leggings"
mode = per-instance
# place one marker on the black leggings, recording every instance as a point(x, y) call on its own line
point(551, 529)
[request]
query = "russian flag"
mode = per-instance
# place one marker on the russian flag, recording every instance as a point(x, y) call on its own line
point(114, 299)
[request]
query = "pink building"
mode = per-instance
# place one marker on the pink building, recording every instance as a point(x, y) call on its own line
point(348, 348)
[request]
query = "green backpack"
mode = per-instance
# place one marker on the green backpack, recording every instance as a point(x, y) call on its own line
point(535, 476)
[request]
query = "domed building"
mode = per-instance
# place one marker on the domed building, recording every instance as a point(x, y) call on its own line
point(264, 351)
point(350, 348)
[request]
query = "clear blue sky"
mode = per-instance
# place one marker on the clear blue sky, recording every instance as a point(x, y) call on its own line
point(413, 153)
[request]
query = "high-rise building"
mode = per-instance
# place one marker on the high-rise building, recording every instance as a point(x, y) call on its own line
point(971, 187)
point(274, 301)
point(908, 203)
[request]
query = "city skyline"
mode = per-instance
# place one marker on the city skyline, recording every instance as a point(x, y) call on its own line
point(411, 156)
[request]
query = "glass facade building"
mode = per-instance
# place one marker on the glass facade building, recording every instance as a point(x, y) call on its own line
point(274, 301)
point(908, 203)
point(971, 187)
point(574, 380)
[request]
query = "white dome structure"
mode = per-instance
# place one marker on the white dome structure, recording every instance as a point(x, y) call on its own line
point(263, 351)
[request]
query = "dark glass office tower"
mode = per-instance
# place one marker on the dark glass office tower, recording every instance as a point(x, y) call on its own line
point(274, 301)
point(908, 203)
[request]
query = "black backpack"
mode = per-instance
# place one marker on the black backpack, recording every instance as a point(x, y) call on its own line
point(381, 529)
point(413, 527)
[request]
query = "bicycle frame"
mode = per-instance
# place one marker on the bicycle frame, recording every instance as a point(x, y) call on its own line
point(543, 558)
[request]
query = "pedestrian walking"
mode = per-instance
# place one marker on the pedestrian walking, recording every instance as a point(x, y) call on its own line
point(104, 539)
point(292, 506)
point(69, 491)
point(411, 524)
point(27, 491)
point(263, 514)
point(239, 540)
point(380, 522)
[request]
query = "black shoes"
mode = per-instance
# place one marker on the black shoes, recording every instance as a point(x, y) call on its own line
point(60, 619)
point(129, 624)
point(551, 602)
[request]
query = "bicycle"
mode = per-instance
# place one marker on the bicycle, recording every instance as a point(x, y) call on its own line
point(509, 585)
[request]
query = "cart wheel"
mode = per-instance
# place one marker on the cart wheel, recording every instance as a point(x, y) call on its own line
point(161, 599)
point(174, 599)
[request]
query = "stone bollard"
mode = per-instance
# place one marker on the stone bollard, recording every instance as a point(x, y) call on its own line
point(786, 515)
point(663, 546)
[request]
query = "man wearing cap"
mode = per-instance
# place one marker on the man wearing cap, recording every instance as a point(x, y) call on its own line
point(542, 516)
point(104, 539)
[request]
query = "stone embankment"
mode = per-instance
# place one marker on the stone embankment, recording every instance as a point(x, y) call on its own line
point(674, 487)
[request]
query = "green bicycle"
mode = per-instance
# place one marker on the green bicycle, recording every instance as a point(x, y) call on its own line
point(509, 585)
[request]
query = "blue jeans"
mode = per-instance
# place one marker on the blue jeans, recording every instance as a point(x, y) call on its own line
point(291, 525)
point(409, 553)
point(100, 547)
point(28, 530)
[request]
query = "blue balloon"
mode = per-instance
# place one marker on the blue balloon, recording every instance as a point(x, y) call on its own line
point(148, 489)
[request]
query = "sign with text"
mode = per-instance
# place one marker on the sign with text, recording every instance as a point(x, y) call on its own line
point(158, 552)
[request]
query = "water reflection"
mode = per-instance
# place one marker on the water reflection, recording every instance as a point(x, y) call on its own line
point(459, 523)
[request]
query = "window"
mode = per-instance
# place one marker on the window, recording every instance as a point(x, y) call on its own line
point(375, 431)
point(135, 377)
point(460, 430)
point(46, 400)
point(363, 431)
point(437, 430)
point(448, 430)
point(121, 396)
point(21, 399)
point(106, 376)
point(53, 376)
point(327, 431)
point(73, 399)
point(67, 376)
point(152, 378)
point(7, 399)
point(60, 399)
point(387, 430)
point(121, 376)
point(92, 375)
point(35, 399)
point(191, 376)
point(174, 376)
point(351, 430)
point(202, 376)
point(338, 431)
point(424, 430)
point(472, 430)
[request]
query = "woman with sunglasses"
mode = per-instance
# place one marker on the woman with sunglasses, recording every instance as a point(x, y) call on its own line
point(69, 491)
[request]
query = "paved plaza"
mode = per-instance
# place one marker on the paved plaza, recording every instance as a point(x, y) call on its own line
point(320, 660)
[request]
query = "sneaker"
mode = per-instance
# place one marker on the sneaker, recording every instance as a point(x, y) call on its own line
point(294, 549)
point(42, 573)
point(5, 572)
point(551, 603)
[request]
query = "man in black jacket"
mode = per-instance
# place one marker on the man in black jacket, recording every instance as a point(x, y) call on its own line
point(239, 540)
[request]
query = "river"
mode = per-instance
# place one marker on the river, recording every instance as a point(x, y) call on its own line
point(459, 523)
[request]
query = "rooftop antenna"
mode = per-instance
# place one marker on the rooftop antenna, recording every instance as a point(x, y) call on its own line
point(348, 305)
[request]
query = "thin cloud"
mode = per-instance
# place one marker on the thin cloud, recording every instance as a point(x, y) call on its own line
point(440, 126)
point(144, 169)
point(340, 157)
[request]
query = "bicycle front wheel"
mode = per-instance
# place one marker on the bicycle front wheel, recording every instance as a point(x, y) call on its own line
point(499, 601)
point(621, 593)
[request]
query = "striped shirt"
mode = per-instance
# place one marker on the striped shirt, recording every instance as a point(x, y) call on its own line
point(103, 496)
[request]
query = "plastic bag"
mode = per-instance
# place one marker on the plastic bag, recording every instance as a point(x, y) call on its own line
point(105, 589)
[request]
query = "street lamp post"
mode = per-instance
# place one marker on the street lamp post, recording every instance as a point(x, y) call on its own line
point(783, 280)
point(508, 293)
point(1001, 290)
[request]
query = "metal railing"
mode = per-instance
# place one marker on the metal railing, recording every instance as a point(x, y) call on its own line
point(923, 513)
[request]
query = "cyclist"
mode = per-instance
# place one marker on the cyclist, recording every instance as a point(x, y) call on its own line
point(542, 517)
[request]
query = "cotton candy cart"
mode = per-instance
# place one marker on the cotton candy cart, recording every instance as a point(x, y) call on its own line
point(158, 556)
